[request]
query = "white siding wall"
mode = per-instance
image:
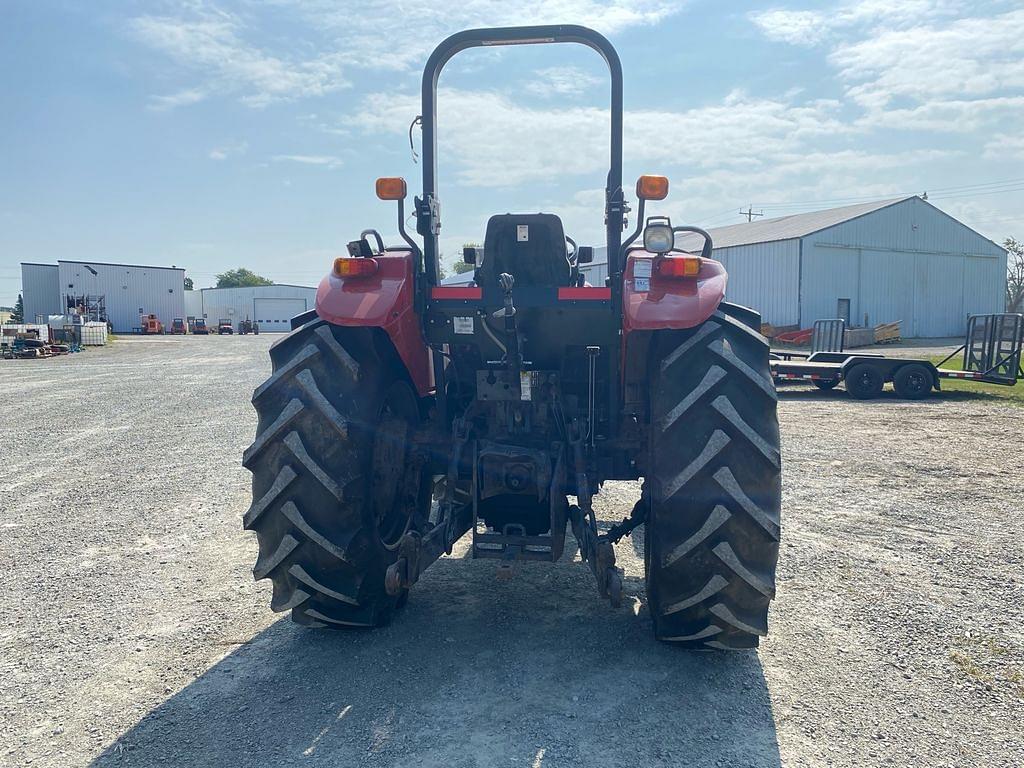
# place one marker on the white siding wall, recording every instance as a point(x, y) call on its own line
point(764, 277)
point(237, 304)
point(128, 289)
point(908, 262)
point(193, 303)
point(931, 294)
point(40, 290)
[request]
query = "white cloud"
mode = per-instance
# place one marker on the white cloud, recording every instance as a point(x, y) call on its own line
point(970, 57)
point(1004, 146)
point(211, 44)
point(326, 161)
point(420, 26)
point(741, 135)
point(912, 65)
point(561, 81)
point(226, 151)
point(793, 27)
point(963, 116)
point(180, 99)
point(215, 45)
point(804, 27)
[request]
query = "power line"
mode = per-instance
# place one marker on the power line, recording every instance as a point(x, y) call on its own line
point(963, 190)
point(750, 213)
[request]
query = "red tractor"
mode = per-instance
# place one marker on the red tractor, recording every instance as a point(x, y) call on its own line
point(504, 398)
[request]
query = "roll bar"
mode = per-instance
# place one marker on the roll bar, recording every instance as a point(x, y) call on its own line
point(428, 216)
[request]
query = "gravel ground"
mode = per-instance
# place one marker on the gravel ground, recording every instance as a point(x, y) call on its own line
point(131, 632)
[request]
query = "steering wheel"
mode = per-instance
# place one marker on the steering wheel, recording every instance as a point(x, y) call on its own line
point(571, 256)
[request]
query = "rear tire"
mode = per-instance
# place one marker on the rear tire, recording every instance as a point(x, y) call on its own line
point(326, 518)
point(712, 531)
point(864, 381)
point(913, 382)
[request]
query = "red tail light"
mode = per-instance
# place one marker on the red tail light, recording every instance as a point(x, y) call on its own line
point(679, 266)
point(346, 266)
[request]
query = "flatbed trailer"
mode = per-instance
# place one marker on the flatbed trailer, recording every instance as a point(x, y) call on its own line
point(991, 354)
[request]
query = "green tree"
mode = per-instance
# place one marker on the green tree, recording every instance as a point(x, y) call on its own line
point(462, 267)
point(241, 278)
point(189, 284)
point(1014, 275)
point(18, 316)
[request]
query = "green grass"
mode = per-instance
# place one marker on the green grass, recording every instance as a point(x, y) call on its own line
point(973, 390)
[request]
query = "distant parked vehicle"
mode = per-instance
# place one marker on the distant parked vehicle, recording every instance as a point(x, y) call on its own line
point(248, 326)
point(151, 325)
point(199, 327)
point(178, 326)
point(224, 326)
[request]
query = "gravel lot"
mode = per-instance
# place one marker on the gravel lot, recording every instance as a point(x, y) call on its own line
point(131, 632)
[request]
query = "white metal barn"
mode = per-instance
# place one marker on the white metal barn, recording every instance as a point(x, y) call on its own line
point(129, 290)
point(40, 291)
point(271, 306)
point(870, 263)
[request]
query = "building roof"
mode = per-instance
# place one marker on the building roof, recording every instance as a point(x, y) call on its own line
point(787, 227)
point(272, 285)
point(115, 264)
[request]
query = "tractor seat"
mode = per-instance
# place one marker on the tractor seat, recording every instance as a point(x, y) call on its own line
point(528, 246)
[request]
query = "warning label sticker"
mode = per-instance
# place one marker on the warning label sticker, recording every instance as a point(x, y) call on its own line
point(642, 268)
point(642, 284)
point(463, 324)
point(523, 233)
point(525, 391)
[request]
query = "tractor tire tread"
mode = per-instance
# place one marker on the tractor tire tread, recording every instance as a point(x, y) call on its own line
point(315, 531)
point(714, 525)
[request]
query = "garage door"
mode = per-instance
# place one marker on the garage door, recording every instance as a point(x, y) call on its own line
point(276, 314)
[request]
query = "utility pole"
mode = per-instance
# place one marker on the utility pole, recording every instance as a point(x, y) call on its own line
point(750, 213)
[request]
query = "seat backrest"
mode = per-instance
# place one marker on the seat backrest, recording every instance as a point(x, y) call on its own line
point(528, 246)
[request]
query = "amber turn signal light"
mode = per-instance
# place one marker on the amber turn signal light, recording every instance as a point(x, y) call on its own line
point(391, 188)
point(346, 266)
point(652, 187)
point(679, 266)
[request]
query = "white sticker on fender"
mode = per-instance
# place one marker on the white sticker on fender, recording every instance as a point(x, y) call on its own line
point(642, 268)
point(642, 284)
point(463, 325)
point(525, 393)
point(523, 233)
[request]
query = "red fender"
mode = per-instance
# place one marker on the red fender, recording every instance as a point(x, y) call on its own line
point(652, 302)
point(383, 300)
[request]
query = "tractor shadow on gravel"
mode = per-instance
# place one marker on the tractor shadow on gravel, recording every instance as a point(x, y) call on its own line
point(474, 672)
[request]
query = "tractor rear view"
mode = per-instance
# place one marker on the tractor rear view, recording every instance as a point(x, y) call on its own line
point(511, 401)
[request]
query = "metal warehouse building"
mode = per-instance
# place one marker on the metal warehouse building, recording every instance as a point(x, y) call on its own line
point(129, 290)
point(871, 263)
point(271, 306)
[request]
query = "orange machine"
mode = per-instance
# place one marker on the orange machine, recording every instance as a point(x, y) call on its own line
point(151, 324)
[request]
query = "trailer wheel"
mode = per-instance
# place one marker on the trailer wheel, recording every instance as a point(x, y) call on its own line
point(712, 531)
point(864, 381)
point(335, 480)
point(826, 384)
point(913, 382)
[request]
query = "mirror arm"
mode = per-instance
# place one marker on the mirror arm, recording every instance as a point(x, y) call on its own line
point(640, 223)
point(405, 235)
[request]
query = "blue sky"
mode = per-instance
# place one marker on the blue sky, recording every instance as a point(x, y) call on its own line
point(211, 135)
